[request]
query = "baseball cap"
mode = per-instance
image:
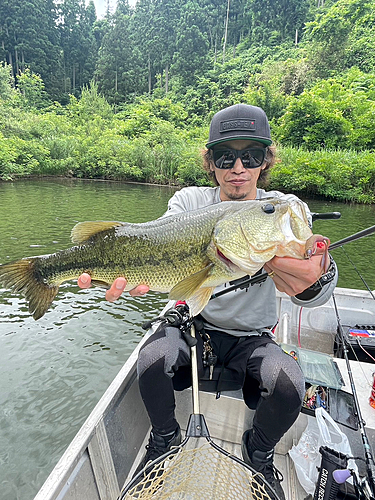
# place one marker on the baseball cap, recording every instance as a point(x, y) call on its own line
point(240, 121)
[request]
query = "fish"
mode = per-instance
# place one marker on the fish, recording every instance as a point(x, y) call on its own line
point(186, 255)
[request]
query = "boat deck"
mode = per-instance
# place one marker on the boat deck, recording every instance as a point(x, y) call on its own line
point(230, 413)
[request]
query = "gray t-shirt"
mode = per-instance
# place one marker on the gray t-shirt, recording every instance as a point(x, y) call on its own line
point(240, 312)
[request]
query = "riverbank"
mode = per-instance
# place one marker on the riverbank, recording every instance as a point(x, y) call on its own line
point(336, 175)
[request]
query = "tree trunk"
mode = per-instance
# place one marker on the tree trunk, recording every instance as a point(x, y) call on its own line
point(11, 64)
point(65, 79)
point(17, 66)
point(149, 74)
point(166, 78)
point(226, 31)
point(215, 56)
point(211, 38)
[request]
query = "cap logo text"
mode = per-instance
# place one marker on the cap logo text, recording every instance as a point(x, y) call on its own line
point(238, 124)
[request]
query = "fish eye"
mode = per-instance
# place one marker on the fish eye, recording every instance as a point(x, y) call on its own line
point(268, 208)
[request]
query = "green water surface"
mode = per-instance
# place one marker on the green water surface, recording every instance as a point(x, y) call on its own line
point(54, 371)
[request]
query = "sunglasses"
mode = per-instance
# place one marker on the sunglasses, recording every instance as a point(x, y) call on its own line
point(250, 157)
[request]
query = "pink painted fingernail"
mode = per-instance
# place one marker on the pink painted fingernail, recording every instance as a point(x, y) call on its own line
point(120, 284)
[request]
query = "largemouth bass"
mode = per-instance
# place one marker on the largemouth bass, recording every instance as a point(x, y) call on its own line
point(187, 254)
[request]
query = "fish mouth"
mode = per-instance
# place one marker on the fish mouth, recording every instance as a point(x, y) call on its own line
point(228, 263)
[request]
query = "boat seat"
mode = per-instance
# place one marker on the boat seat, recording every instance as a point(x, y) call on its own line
point(222, 381)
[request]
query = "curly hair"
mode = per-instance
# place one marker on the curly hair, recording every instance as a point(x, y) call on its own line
point(271, 159)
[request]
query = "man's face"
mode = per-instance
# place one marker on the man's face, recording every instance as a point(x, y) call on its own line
point(237, 183)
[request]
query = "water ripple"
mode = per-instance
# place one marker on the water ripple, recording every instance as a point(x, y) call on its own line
point(54, 371)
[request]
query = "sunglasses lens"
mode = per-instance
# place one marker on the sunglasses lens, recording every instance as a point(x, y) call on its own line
point(224, 159)
point(251, 158)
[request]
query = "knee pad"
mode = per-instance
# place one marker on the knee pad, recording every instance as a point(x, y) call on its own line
point(166, 343)
point(279, 372)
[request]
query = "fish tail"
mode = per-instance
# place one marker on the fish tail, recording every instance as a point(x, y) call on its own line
point(23, 276)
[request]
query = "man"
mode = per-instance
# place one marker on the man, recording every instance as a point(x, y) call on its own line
point(239, 155)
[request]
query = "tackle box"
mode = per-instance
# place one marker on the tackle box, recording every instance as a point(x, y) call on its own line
point(324, 385)
point(359, 338)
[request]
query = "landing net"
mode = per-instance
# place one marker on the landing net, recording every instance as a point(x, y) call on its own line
point(203, 472)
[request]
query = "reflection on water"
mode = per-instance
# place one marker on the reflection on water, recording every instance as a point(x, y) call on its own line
point(354, 218)
point(53, 371)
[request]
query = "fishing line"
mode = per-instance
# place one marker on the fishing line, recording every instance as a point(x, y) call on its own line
point(364, 350)
point(357, 271)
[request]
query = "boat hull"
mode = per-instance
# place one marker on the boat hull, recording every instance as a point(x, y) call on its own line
point(104, 453)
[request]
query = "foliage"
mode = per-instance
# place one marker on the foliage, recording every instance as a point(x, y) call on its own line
point(340, 34)
point(137, 118)
point(31, 87)
point(333, 113)
point(130, 97)
point(91, 104)
point(344, 175)
point(7, 92)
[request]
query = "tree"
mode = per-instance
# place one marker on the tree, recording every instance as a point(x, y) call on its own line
point(274, 21)
point(192, 45)
point(29, 39)
point(121, 70)
point(79, 47)
point(32, 89)
point(329, 36)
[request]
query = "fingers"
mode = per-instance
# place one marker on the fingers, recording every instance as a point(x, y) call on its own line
point(316, 245)
point(293, 276)
point(119, 285)
point(84, 281)
point(139, 290)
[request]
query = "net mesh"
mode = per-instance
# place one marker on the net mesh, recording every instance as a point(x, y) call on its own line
point(198, 473)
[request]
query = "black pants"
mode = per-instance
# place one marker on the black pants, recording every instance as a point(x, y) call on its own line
point(271, 380)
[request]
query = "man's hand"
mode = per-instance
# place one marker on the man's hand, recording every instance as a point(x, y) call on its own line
point(293, 276)
point(117, 287)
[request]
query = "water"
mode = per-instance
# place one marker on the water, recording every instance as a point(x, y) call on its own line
point(54, 371)
point(354, 218)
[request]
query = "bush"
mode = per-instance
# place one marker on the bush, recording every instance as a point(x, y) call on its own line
point(8, 155)
point(335, 113)
point(344, 175)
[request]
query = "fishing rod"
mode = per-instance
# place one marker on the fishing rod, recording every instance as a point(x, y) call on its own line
point(369, 460)
point(353, 237)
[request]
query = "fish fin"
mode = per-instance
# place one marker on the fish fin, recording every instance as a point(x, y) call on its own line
point(83, 231)
point(199, 300)
point(100, 283)
point(21, 276)
point(187, 287)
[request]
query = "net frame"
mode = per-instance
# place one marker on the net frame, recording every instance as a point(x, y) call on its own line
point(192, 474)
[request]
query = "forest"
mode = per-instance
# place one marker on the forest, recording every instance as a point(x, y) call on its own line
point(130, 96)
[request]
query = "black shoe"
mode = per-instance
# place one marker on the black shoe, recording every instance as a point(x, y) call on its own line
point(262, 461)
point(158, 445)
